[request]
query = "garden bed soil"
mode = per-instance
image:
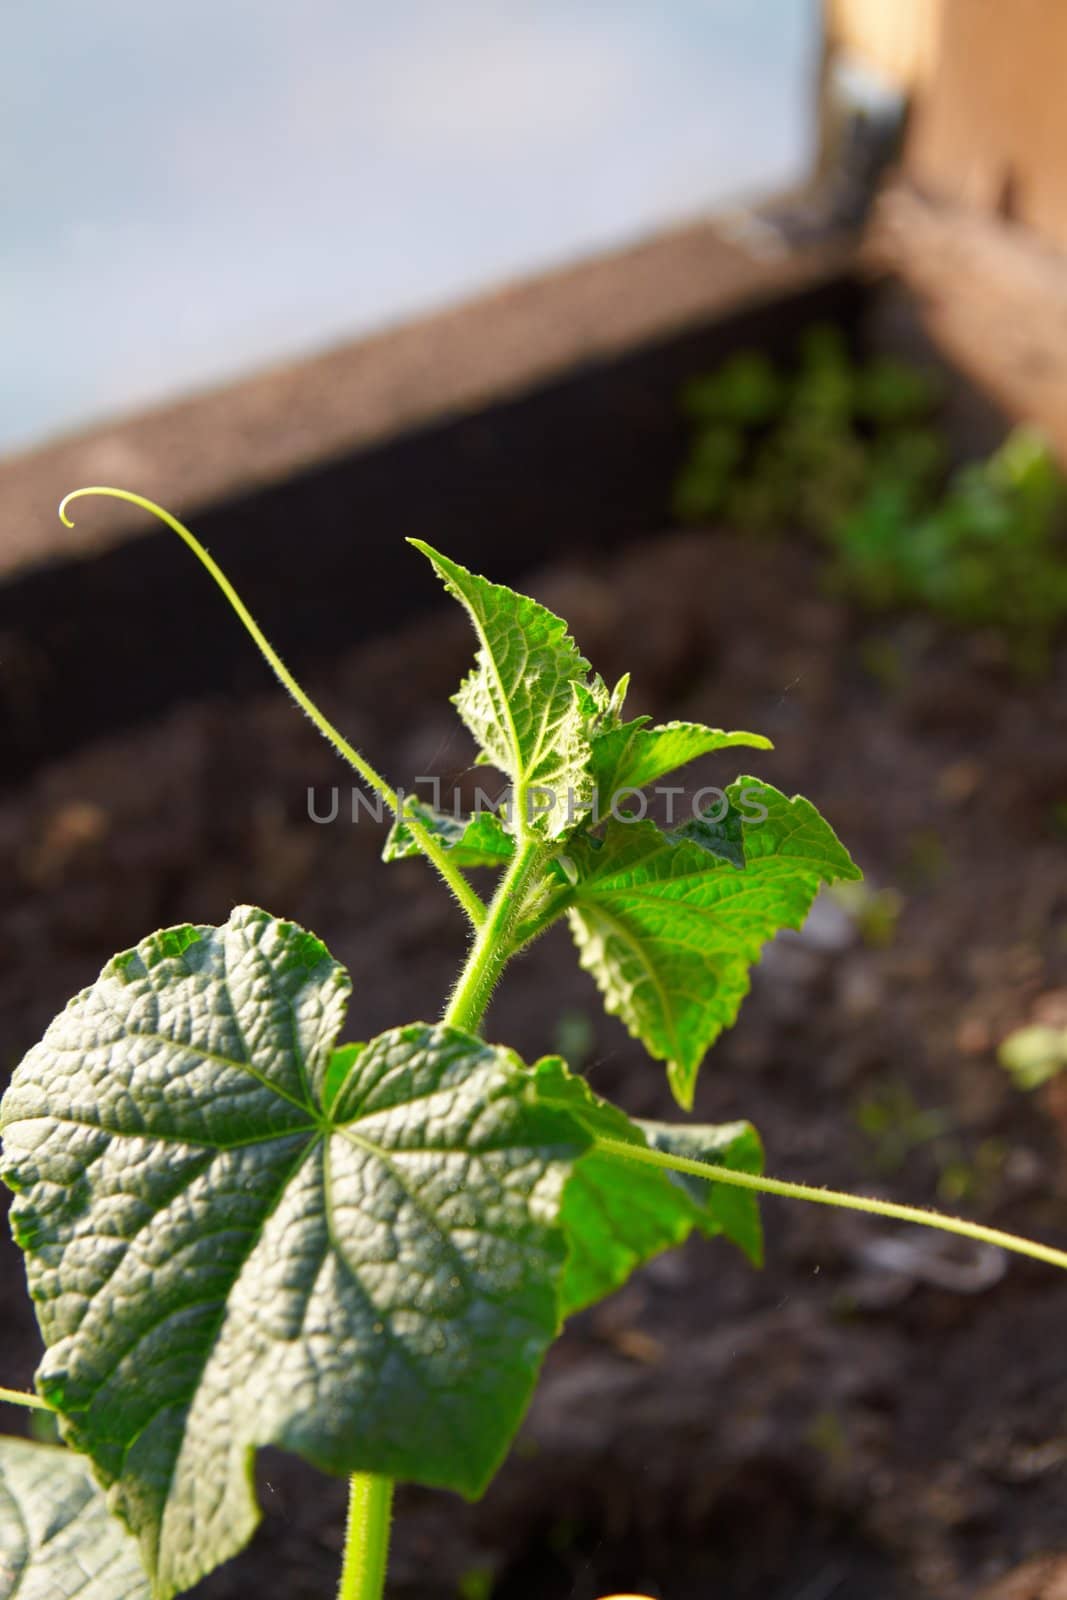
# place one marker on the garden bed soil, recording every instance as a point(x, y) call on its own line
point(837, 1425)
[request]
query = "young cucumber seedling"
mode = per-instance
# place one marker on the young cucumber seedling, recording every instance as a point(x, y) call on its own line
point(242, 1232)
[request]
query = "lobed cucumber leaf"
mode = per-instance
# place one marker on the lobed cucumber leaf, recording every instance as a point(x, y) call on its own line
point(526, 701)
point(233, 1243)
point(669, 927)
point(58, 1541)
point(617, 1215)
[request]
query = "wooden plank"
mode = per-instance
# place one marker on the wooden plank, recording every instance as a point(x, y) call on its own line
point(538, 419)
point(897, 38)
point(991, 295)
point(990, 130)
point(248, 435)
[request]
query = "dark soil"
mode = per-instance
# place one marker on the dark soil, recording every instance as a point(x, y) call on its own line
point(836, 1426)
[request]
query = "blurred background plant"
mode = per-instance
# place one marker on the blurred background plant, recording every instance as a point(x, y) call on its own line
point(1035, 1054)
point(853, 453)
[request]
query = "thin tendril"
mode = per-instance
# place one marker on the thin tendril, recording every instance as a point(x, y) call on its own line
point(462, 890)
point(18, 1397)
point(834, 1197)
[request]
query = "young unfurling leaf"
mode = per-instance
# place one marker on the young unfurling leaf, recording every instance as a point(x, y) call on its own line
point(633, 755)
point(669, 930)
point(524, 701)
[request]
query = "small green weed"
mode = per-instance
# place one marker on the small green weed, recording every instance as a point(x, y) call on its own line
point(853, 454)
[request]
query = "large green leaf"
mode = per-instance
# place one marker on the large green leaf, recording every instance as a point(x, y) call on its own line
point(633, 755)
point(669, 928)
point(527, 700)
point(58, 1540)
point(618, 1214)
point(229, 1248)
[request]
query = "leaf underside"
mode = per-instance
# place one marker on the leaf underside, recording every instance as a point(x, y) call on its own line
point(58, 1540)
point(220, 1263)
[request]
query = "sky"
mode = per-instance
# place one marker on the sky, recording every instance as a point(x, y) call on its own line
point(191, 191)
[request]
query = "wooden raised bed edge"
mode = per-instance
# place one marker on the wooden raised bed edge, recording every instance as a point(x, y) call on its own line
point(503, 468)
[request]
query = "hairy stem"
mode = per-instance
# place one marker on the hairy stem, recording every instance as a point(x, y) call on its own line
point(455, 880)
point(370, 1496)
point(18, 1397)
point(370, 1504)
point(494, 942)
point(555, 907)
point(834, 1197)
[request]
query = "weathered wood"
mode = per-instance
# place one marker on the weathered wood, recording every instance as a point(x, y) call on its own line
point(532, 420)
point(991, 296)
point(986, 79)
point(245, 436)
point(898, 38)
point(990, 127)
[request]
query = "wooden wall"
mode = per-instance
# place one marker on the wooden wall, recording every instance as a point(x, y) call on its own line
point(898, 37)
point(991, 130)
point(989, 86)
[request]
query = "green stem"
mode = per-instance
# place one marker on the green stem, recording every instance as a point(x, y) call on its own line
point(455, 880)
point(471, 903)
point(18, 1397)
point(370, 1504)
point(550, 914)
point(493, 945)
point(834, 1197)
point(370, 1496)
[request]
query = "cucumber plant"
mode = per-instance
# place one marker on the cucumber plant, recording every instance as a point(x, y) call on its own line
point(241, 1229)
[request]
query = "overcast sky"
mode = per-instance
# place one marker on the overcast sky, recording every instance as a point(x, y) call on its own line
point(190, 190)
